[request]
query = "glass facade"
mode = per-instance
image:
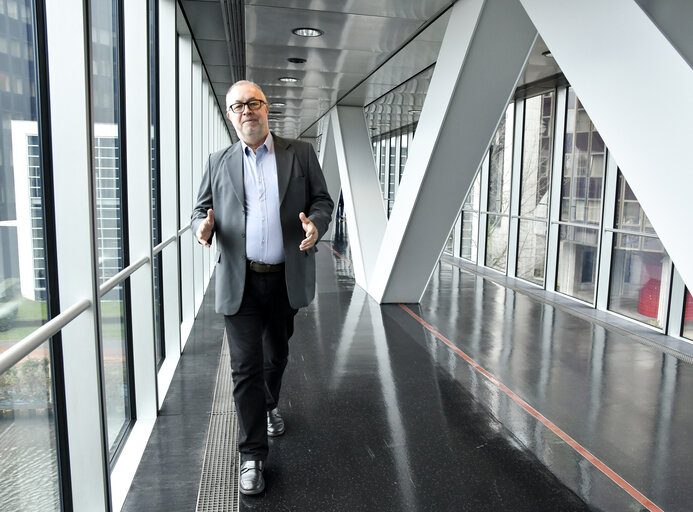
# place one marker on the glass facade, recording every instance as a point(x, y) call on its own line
point(687, 331)
point(392, 174)
point(584, 162)
point(110, 222)
point(382, 168)
point(403, 152)
point(44, 150)
point(156, 175)
point(29, 468)
point(28, 456)
point(640, 267)
point(566, 257)
point(390, 154)
point(500, 174)
point(470, 221)
point(537, 144)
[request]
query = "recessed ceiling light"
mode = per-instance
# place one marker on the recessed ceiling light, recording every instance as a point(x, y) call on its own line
point(296, 60)
point(288, 79)
point(307, 32)
point(547, 54)
point(415, 111)
point(277, 104)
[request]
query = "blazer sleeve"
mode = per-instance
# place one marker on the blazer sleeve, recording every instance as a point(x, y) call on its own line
point(321, 204)
point(204, 201)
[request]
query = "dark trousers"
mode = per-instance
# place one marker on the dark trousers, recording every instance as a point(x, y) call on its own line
point(258, 337)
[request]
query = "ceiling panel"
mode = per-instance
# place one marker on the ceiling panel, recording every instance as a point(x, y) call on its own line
point(361, 38)
point(221, 74)
point(272, 26)
point(214, 53)
point(205, 19)
point(538, 65)
point(418, 55)
point(317, 59)
point(417, 10)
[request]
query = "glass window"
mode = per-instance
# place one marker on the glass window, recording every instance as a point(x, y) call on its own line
point(109, 212)
point(584, 159)
point(500, 172)
point(449, 243)
point(536, 156)
point(403, 151)
point(583, 166)
point(577, 261)
point(497, 241)
point(688, 317)
point(28, 456)
point(29, 470)
point(501, 152)
point(640, 267)
point(470, 221)
point(383, 162)
point(156, 177)
point(531, 251)
point(535, 187)
point(391, 174)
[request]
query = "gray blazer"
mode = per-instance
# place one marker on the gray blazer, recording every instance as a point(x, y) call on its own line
point(302, 188)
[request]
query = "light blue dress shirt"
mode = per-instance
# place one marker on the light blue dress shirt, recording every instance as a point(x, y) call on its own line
point(263, 240)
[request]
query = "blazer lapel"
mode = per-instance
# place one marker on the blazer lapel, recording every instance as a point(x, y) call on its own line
point(234, 167)
point(285, 158)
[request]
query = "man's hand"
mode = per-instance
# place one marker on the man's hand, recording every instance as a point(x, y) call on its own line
point(204, 230)
point(311, 232)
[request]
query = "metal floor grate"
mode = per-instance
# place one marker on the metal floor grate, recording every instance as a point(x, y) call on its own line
point(219, 482)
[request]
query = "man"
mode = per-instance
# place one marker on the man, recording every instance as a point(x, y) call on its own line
point(266, 200)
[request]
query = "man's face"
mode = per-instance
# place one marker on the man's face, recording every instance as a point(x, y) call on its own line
point(251, 125)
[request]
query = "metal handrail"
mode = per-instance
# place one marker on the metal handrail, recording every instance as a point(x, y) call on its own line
point(28, 344)
point(163, 244)
point(23, 348)
point(121, 276)
point(575, 224)
point(528, 217)
point(633, 233)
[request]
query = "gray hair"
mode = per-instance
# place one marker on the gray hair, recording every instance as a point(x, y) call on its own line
point(239, 83)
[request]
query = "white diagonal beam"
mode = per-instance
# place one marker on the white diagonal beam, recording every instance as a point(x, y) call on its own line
point(330, 169)
point(636, 88)
point(363, 202)
point(484, 50)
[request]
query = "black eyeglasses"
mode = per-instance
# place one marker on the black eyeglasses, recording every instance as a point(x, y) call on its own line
point(237, 108)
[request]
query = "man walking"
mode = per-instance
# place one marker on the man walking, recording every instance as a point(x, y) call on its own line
point(266, 200)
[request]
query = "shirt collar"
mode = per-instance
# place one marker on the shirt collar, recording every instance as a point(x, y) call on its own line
point(269, 144)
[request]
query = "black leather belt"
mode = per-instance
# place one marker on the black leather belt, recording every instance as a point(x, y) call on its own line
point(264, 268)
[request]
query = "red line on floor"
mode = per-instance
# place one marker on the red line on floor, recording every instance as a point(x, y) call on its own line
point(340, 256)
point(615, 477)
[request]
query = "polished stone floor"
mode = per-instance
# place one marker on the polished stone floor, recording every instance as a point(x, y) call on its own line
point(481, 398)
